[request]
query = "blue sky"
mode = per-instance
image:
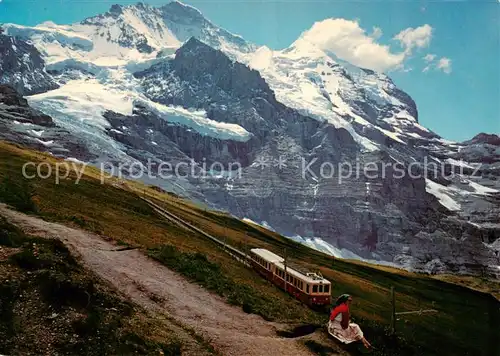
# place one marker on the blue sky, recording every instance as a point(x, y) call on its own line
point(464, 35)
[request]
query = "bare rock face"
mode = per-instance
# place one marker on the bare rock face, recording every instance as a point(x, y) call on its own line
point(483, 148)
point(22, 67)
point(22, 124)
point(384, 218)
point(13, 105)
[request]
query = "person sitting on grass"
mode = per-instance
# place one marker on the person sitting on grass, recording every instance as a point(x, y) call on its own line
point(340, 325)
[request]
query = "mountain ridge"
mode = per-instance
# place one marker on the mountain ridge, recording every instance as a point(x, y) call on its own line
point(215, 96)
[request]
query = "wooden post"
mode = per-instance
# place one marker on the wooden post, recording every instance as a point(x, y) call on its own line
point(224, 235)
point(393, 314)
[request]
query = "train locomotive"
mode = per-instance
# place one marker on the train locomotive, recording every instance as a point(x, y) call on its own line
point(310, 288)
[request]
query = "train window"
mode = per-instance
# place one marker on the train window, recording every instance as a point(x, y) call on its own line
point(315, 289)
point(327, 288)
point(307, 288)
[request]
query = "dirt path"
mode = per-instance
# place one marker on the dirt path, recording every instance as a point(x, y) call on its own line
point(158, 289)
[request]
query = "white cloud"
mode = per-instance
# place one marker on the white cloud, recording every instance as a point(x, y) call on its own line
point(376, 33)
point(444, 64)
point(414, 37)
point(348, 41)
point(429, 57)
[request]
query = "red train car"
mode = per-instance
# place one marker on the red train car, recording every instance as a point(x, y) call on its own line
point(310, 288)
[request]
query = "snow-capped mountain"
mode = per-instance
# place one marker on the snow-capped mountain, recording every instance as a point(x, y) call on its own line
point(140, 83)
point(126, 34)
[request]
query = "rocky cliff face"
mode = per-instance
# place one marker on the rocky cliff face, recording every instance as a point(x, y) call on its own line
point(322, 151)
point(384, 218)
point(22, 67)
point(22, 124)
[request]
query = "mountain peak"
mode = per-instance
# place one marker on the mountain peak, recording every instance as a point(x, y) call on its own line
point(193, 43)
point(182, 13)
point(482, 137)
point(116, 9)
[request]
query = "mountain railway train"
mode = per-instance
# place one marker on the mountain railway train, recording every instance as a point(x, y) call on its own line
point(310, 288)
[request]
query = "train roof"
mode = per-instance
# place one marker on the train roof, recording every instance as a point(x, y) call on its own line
point(279, 262)
point(267, 255)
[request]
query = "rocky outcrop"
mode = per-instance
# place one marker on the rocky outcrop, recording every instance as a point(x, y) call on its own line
point(13, 105)
point(484, 138)
point(22, 124)
point(174, 143)
point(22, 67)
point(483, 148)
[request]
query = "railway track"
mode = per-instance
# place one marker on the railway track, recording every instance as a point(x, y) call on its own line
point(291, 284)
point(232, 251)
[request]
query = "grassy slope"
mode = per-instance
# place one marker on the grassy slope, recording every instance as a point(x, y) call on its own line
point(113, 211)
point(50, 305)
